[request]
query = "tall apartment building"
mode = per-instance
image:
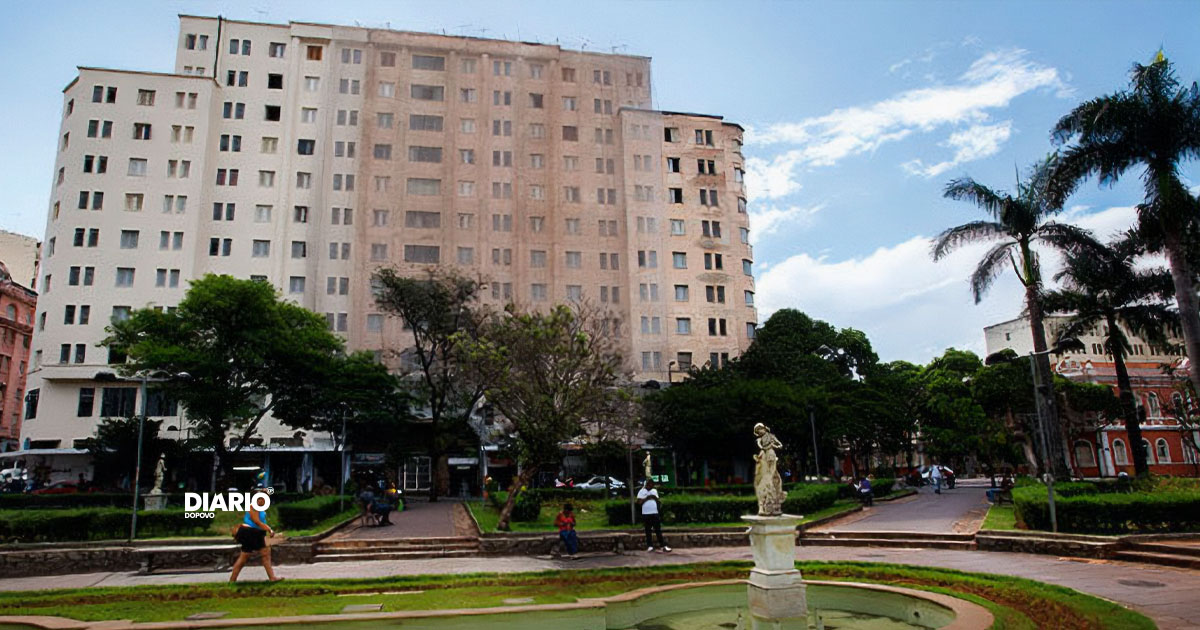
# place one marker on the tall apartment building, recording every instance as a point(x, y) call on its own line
point(308, 155)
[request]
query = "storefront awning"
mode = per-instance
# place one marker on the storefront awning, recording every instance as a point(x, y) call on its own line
point(43, 451)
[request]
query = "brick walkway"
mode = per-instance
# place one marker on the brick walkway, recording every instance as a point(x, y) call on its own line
point(1167, 595)
point(420, 519)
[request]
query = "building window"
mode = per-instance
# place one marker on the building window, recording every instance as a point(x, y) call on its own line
point(427, 92)
point(276, 50)
point(1120, 455)
point(683, 326)
point(313, 53)
point(1162, 451)
point(125, 276)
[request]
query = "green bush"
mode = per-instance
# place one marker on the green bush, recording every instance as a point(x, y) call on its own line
point(527, 507)
point(1093, 512)
point(60, 525)
point(690, 508)
point(560, 495)
point(309, 512)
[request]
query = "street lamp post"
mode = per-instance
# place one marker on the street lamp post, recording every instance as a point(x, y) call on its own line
point(1047, 471)
point(812, 425)
point(137, 467)
point(1043, 432)
point(342, 468)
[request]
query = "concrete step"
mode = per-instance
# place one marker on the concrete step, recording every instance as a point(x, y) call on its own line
point(1166, 548)
point(1025, 533)
point(401, 546)
point(395, 555)
point(888, 542)
point(850, 535)
point(361, 543)
point(1167, 559)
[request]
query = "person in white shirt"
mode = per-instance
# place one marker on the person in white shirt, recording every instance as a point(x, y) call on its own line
point(935, 475)
point(647, 499)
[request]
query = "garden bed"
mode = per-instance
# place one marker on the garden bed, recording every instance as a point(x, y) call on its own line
point(1017, 604)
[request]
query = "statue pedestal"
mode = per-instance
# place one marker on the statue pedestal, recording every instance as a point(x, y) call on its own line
point(154, 501)
point(776, 592)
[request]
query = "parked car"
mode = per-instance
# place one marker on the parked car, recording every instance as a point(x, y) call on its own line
point(599, 482)
point(58, 487)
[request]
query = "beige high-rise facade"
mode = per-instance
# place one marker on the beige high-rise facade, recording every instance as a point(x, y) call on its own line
point(308, 155)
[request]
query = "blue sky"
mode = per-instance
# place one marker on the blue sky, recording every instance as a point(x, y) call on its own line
point(858, 114)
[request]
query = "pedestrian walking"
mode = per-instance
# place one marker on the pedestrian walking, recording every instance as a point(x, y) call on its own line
point(648, 500)
point(935, 475)
point(252, 536)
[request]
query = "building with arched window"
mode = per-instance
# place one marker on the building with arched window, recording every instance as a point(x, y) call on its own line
point(17, 306)
point(1101, 447)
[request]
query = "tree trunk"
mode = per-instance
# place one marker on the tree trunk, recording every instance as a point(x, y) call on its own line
point(1051, 433)
point(520, 480)
point(1133, 427)
point(1185, 300)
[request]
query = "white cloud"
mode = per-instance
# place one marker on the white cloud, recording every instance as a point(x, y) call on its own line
point(970, 144)
point(990, 83)
point(911, 307)
point(768, 220)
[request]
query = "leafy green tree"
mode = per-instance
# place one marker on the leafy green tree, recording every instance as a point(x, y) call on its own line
point(710, 416)
point(113, 450)
point(953, 423)
point(246, 351)
point(546, 374)
point(1102, 286)
point(435, 309)
point(1018, 222)
point(356, 390)
point(1153, 126)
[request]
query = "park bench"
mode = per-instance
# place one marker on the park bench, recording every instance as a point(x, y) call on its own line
point(217, 556)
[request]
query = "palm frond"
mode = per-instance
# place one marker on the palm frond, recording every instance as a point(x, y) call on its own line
point(964, 234)
point(1069, 238)
point(989, 268)
point(967, 189)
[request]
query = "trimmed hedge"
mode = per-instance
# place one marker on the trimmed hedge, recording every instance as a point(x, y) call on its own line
point(1092, 512)
point(309, 512)
point(94, 524)
point(527, 507)
point(684, 508)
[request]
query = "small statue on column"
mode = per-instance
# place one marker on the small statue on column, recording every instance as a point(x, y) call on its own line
point(768, 486)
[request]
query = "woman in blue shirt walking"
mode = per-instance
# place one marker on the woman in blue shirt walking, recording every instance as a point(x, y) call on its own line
point(252, 535)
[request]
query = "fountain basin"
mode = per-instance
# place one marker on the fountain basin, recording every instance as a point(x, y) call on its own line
point(698, 606)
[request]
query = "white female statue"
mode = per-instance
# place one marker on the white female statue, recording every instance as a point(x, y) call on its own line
point(767, 483)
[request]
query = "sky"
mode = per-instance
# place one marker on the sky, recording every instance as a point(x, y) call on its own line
point(857, 115)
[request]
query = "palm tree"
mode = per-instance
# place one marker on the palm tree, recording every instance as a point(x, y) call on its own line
point(1102, 287)
point(1154, 124)
point(1019, 221)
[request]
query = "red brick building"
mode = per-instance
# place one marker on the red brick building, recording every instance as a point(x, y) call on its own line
point(1102, 449)
point(1170, 443)
point(17, 306)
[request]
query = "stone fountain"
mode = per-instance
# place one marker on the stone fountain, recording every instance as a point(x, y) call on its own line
point(775, 593)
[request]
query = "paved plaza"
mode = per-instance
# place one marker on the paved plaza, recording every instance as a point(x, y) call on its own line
point(960, 510)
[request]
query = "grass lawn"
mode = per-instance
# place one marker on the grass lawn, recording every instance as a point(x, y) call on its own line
point(589, 515)
point(1000, 517)
point(1018, 604)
